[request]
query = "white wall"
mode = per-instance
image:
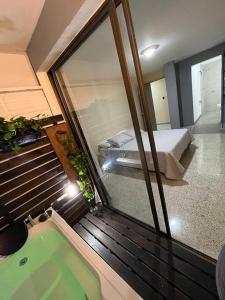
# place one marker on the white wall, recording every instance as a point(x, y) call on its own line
point(206, 86)
point(160, 101)
point(49, 92)
point(196, 91)
point(94, 81)
point(16, 71)
point(102, 108)
point(211, 85)
point(20, 92)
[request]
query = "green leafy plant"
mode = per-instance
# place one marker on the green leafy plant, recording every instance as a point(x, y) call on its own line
point(78, 160)
point(17, 127)
point(79, 163)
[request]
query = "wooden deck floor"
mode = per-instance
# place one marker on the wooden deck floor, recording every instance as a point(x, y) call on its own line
point(155, 267)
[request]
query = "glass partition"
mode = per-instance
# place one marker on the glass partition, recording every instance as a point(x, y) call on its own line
point(183, 79)
point(95, 94)
point(183, 66)
point(142, 121)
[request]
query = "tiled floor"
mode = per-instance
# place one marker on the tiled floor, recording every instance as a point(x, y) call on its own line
point(163, 126)
point(208, 123)
point(196, 204)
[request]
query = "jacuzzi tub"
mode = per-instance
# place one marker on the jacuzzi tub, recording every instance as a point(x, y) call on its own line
point(56, 264)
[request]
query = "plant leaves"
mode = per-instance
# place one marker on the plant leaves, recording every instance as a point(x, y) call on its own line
point(10, 127)
point(8, 136)
point(16, 148)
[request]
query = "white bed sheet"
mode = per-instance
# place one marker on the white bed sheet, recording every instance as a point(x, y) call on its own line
point(170, 145)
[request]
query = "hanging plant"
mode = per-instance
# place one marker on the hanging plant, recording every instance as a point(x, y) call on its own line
point(79, 163)
point(19, 131)
point(78, 160)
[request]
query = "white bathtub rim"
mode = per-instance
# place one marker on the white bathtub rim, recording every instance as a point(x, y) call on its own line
point(112, 285)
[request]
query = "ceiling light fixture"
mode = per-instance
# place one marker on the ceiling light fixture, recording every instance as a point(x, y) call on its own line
point(149, 51)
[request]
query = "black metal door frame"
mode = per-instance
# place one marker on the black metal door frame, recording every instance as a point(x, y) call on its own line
point(108, 9)
point(144, 102)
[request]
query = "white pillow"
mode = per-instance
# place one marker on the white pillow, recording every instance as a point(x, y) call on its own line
point(130, 132)
point(119, 139)
point(105, 145)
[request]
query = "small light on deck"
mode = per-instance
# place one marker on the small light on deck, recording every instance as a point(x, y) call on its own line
point(106, 166)
point(72, 189)
point(175, 224)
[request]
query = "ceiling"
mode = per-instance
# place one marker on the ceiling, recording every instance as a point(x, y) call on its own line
point(18, 19)
point(181, 28)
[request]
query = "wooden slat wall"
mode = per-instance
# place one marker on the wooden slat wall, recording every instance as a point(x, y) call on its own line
point(34, 180)
point(56, 142)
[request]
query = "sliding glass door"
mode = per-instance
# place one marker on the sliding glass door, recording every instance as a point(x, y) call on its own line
point(100, 94)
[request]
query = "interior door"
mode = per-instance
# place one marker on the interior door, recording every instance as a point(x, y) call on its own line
point(160, 100)
point(211, 86)
point(196, 90)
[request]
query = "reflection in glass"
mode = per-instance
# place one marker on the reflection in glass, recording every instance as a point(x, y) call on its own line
point(93, 80)
point(140, 110)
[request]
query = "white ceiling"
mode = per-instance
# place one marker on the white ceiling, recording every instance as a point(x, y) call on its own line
point(181, 28)
point(18, 19)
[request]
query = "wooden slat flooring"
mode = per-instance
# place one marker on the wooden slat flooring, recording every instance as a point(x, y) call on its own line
point(157, 268)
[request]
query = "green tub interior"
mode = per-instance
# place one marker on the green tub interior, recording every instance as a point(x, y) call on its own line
point(48, 267)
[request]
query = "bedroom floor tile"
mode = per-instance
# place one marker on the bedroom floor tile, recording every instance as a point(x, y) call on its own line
point(122, 189)
point(195, 204)
point(191, 209)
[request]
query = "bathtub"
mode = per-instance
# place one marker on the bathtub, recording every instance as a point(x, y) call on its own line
point(56, 264)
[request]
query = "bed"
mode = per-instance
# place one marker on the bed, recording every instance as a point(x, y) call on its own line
point(122, 149)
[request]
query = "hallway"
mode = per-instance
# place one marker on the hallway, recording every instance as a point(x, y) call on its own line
point(208, 123)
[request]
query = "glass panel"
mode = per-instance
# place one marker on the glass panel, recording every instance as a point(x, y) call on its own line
point(93, 81)
point(182, 59)
point(140, 112)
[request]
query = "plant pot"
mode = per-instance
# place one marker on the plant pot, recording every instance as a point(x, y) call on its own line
point(21, 141)
point(26, 139)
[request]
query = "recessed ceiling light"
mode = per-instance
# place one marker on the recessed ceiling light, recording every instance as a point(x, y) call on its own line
point(149, 51)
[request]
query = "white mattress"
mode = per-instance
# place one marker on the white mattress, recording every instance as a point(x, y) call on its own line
point(170, 145)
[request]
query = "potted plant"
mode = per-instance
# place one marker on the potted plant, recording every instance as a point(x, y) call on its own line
point(19, 131)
